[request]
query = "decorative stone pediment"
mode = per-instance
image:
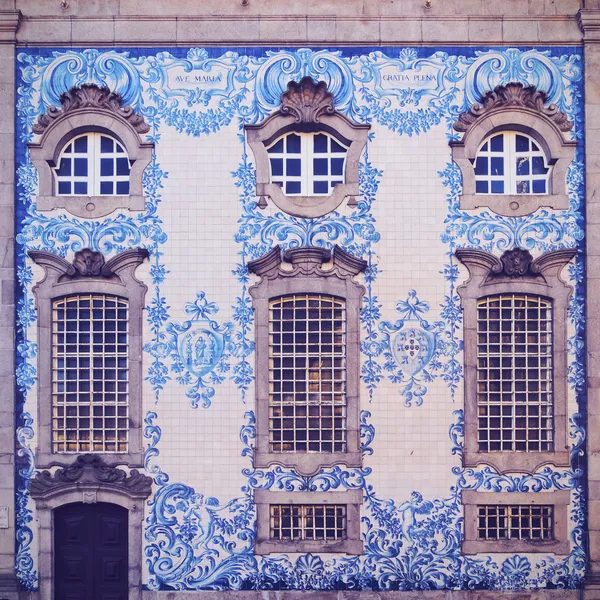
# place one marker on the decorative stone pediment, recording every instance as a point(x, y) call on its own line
point(515, 263)
point(511, 96)
point(307, 261)
point(90, 97)
point(90, 470)
point(88, 263)
point(306, 101)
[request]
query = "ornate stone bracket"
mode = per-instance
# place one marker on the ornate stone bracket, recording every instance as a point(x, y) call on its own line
point(515, 107)
point(307, 261)
point(90, 471)
point(84, 109)
point(307, 106)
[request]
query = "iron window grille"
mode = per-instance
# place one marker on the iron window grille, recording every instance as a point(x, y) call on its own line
point(90, 374)
point(294, 522)
point(515, 522)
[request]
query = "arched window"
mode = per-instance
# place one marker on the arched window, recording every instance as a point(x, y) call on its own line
point(93, 164)
point(514, 152)
point(307, 154)
point(307, 164)
point(510, 162)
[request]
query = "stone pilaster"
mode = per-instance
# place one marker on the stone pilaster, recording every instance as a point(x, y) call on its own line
point(9, 23)
point(589, 21)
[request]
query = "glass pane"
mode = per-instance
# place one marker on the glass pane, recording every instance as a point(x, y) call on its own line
point(497, 143)
point(277, 148)
point(335, 147)
point(337, 166)
point(538, 165)
point(522, 143)
point(497, 165)
point(65, 167)
point(277, 166)
point(522, 187)
point(534, 146)
point(293, 167)
point(106, 167)
point(481, 187)
point(106, 144)
point(64, 187)
point(539, 186)
point(120, 149)
point(320, 166)
point(81, 167)
point(81, 144)
point(320, 143)
point(484, 148)
point(481, 166)
point(106, 187)
point(292, 187)
point(497, 187)
point(320, 187)
point(293, 143)
point(523, 166)
point(122, 166)
point(122, 187)
point(81, 187)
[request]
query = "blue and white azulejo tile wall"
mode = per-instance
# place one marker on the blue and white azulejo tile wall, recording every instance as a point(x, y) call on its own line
point(202, 226)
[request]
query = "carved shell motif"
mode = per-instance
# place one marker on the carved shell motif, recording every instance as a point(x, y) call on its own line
point(514, 95)
point(90, 95)
point(515, 263)
point(307, 101)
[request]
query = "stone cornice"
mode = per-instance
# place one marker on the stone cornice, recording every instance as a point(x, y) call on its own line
point(10, 21)
point(589, 22)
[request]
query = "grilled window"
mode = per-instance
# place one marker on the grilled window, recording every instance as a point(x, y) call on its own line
point(514, 373)
point(295, 522)
point(307, 374)
point(90, 374)
point(515, 522)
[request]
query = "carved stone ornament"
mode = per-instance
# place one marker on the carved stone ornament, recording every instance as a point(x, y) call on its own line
point(307, 101)
point(90, 469)
point(513, 95)
point(514, 263)
point(90, 95)
point(307, 260)
point(88, 263)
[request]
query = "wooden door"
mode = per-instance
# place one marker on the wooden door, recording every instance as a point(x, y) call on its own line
point(90, 552)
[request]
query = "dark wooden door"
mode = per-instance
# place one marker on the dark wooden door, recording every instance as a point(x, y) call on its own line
point(90, 552)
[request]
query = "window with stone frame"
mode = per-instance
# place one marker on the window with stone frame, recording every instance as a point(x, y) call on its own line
point(307, 358)
point(514, 152)
point(509, 522)
point(307, 154)
point(515, 340)
point(308, 521)
point(89, 373)
point(90, 155)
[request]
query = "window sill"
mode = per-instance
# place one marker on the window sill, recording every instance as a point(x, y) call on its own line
point(505, 462)
point(91, 207)
point(307, 463)
point(517, 205)
point(44, 460)
point(512, 546)
point(317, 546)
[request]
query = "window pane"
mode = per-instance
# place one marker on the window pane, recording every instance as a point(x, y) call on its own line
point(481, 165)
point(320, 166)
point(497, 187)
point(481, 187)
point(293, 167)
point(293, 144)
point(81, 187)
point(497, 165)
point(81, 145)
point(292, 187)
point(122, 188)
point(539, 186)
point(64, 187)
point(65, 167)
point(81, 167)
point(277, 166)
point(106, 187)
point(522, 166)
point(320, 143)
point(106, 145)
point(337, 166)
point(335, 147)
point(522, 143)
point(538, 166)
point(320, 187)
point(122, 166)
point(276, 148)
point(497, 143)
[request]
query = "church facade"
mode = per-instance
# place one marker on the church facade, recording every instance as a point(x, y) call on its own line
point(297, 303)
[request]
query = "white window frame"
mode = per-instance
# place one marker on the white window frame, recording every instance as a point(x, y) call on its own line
point(307, 176)
point(510, 156)
point(93, 156)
